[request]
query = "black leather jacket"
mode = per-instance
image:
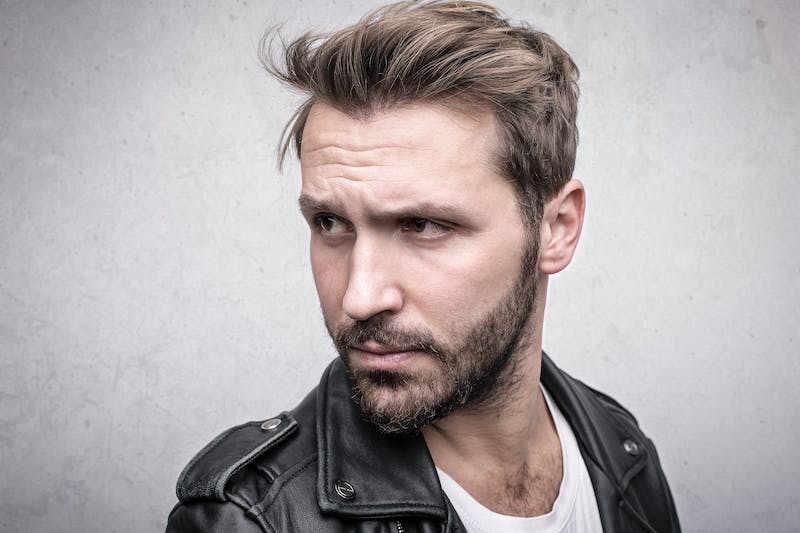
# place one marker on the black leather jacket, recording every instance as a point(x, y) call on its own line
point(320, 467)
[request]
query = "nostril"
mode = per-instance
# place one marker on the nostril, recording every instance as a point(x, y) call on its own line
point(363, 300)
point(371, 282)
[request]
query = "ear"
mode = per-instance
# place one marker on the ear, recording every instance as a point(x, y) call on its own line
point(561, 227)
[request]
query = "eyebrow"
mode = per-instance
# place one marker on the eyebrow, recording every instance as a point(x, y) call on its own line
point(310, 205)
point(422, 209)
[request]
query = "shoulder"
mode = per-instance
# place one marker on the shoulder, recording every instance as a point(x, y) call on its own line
point(578, 398)
point(610, 404)
point(612, 442)
point(209, 472)
point(228, 479)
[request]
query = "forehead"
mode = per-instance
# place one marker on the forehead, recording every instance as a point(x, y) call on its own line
point(406, 148)
point(402, 124)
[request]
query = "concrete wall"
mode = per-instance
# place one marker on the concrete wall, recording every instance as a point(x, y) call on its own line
point(154, 284)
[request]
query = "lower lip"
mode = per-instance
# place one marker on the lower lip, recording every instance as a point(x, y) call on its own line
point(384, 361)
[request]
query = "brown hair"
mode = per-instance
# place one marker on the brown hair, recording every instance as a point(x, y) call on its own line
point(454, 53)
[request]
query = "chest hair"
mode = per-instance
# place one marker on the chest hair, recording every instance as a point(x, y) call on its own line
point(531, 491)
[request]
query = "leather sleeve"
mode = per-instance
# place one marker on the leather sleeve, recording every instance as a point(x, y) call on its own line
point(210, 517)
point(671, 514)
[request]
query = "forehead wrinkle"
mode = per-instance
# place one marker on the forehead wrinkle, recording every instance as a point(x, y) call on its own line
point(335, 170)
point(417, 161)
point(398, 209)
point(360, 157)
point(338, 145)
point(327, 176)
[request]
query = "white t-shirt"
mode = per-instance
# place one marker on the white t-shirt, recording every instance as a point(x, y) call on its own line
point(575, 508)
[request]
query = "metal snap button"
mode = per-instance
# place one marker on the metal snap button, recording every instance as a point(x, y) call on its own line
point(271, 424)
point(345, 490)
point(631, 448)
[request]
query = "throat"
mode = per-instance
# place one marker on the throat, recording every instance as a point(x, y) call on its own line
point(512, 470)
point(528, 490)
point(532, 492)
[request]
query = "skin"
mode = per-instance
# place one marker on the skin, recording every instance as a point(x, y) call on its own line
point(411, 222)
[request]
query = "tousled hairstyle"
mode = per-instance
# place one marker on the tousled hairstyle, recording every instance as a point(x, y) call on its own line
point(455, 53)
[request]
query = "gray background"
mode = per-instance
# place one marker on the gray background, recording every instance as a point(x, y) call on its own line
point(154, 281)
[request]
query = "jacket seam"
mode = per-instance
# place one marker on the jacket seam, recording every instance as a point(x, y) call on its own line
point(211, 446)
point(268, 472)
point(627, 507)
point(625, 424)
point(263, 447)
point(218, 481)
point(279, 484)
point(390, 505)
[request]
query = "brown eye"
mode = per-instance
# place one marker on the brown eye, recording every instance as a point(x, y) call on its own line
point(424, 227)
point(326, 222)
point(330, 225)
point(418, 225)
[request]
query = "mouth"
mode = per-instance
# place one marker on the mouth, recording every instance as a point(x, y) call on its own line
point(382, 356)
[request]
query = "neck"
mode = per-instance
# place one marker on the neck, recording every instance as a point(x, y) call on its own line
point(514, 440)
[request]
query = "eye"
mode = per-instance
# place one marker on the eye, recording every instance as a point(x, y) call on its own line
point(330, 224)
point(424, 227)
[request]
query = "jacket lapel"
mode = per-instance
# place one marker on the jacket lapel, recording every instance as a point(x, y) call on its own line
point(364, 473)
point(613, 454)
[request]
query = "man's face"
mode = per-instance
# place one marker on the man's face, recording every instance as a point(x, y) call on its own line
point(423, 265)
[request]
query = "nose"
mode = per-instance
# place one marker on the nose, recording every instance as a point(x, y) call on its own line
point(372, 285)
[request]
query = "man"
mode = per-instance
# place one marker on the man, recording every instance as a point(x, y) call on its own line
point(437, 146)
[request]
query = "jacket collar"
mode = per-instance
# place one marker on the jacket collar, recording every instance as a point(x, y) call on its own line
point(393, 475)
point(389, 475)
point(611, 446)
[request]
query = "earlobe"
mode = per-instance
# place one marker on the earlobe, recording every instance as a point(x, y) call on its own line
point(561, 227)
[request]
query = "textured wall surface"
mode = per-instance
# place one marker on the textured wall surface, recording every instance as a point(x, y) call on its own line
point(154, 281)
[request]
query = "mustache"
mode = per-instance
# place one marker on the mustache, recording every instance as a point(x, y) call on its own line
point(379, 330)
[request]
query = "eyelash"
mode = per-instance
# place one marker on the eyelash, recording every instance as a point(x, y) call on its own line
point(319, 218)
point(406, 226)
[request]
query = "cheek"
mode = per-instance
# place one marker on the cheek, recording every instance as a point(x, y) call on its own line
point(463, 285)
point(330, 277)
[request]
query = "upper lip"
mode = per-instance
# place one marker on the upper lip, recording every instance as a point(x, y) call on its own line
point(380, 349)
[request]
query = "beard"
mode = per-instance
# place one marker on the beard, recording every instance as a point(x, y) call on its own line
point(476, 368)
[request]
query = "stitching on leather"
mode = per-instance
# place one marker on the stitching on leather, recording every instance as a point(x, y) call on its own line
point(625, 506)
point(268, 472)
point(322, 399)
point(263, 447)
point(391, 506)
point(259, 509)
point(211, 446)
point(240, 500)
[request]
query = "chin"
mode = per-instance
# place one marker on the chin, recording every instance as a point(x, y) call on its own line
point(401, 402)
